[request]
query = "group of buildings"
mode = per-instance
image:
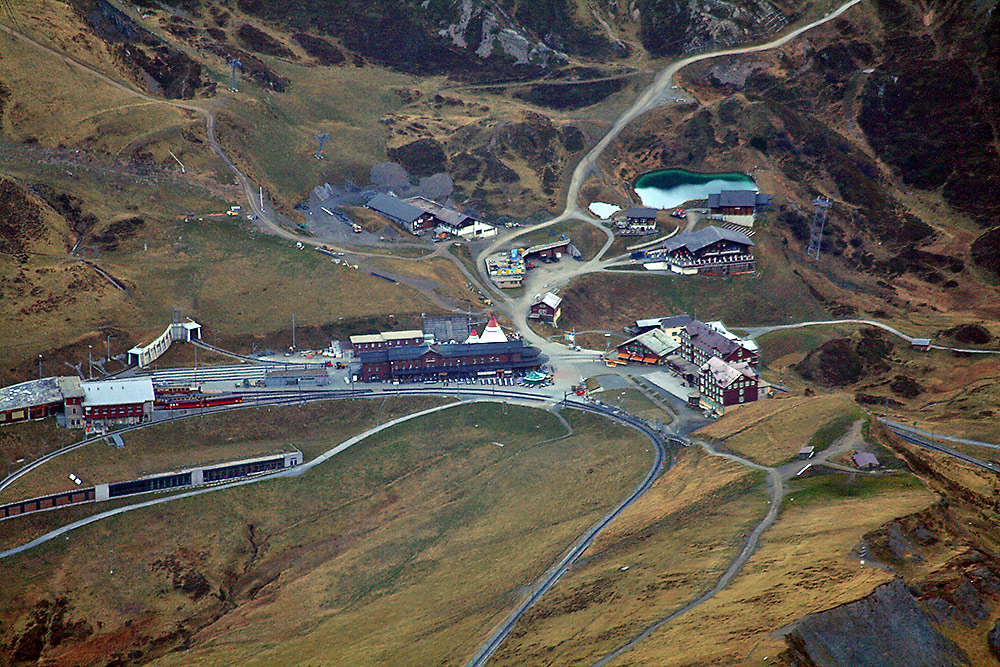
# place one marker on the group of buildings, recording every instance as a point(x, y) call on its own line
point(419, 214)
point(710, 357)
point(79, 403)
point(724, 249)
point(636, 221)
point(507, 268)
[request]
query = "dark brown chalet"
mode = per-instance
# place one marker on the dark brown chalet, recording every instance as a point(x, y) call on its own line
point(700, 342)
point(439, 362)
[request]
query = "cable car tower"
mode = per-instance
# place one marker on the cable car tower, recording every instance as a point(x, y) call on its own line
point(236, 64)
point(820, 208)
point(322, 139)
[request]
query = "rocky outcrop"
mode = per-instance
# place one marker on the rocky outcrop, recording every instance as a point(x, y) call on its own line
point(883, 629)
point(994, 640)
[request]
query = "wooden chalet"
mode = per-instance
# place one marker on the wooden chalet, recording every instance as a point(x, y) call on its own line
point(546, 308)
point(738, 206)
point(712, 250)
point(651, 347)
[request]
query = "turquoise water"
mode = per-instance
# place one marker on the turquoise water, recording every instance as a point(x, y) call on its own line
point(670, 188)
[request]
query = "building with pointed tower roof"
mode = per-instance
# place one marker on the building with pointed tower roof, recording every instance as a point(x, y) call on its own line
point(493, 333)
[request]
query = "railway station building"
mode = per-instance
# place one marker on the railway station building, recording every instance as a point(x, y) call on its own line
point(35, 399)
point(114, 402)
point(448, 361)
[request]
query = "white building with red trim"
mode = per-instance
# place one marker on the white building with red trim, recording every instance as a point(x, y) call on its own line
point(112, 402)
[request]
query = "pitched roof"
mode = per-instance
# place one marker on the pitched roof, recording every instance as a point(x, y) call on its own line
point(117, 392)
point(549, 299)
point(394, 208)
point(449, 216)
point(657, 341)
point(640, 212)
point(708, 339)
point(492, 333)
point(738, 198)
point(703, 238)
point(724, 374)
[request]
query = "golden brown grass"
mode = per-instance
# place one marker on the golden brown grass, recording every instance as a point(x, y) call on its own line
point(771, 431)
point(803, 566)
point(663, 551)
point(227, 436)
point(398, 551)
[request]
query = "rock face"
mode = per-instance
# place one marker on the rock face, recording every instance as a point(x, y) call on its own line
point(883, 629)
point(994, 640)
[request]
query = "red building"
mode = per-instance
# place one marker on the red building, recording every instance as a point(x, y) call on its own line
point(35, 399)
point(126, 401)
point(724, 385)
point(546, 308)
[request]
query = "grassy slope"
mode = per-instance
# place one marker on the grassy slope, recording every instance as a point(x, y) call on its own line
point(675, 542)
point(222, 437)
point(803, 565)
point(772, 431)
point(396, 551)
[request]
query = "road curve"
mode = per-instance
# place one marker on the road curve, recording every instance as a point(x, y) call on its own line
point(549, 579)
point(754, 332)
point(776, 486)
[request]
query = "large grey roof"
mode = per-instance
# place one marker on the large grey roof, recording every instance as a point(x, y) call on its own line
point(394, 208)
point(31, 393)
point(118, 392)
point(639, 212)
point(708, 339)
point(738, 198)
point(549, 299)
point(703, 238)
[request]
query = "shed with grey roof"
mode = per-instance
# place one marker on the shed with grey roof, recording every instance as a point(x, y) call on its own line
point(410, 217)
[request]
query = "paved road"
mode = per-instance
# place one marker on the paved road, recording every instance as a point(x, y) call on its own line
point(755, 332)
point(776, 487)
point(555, 573)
